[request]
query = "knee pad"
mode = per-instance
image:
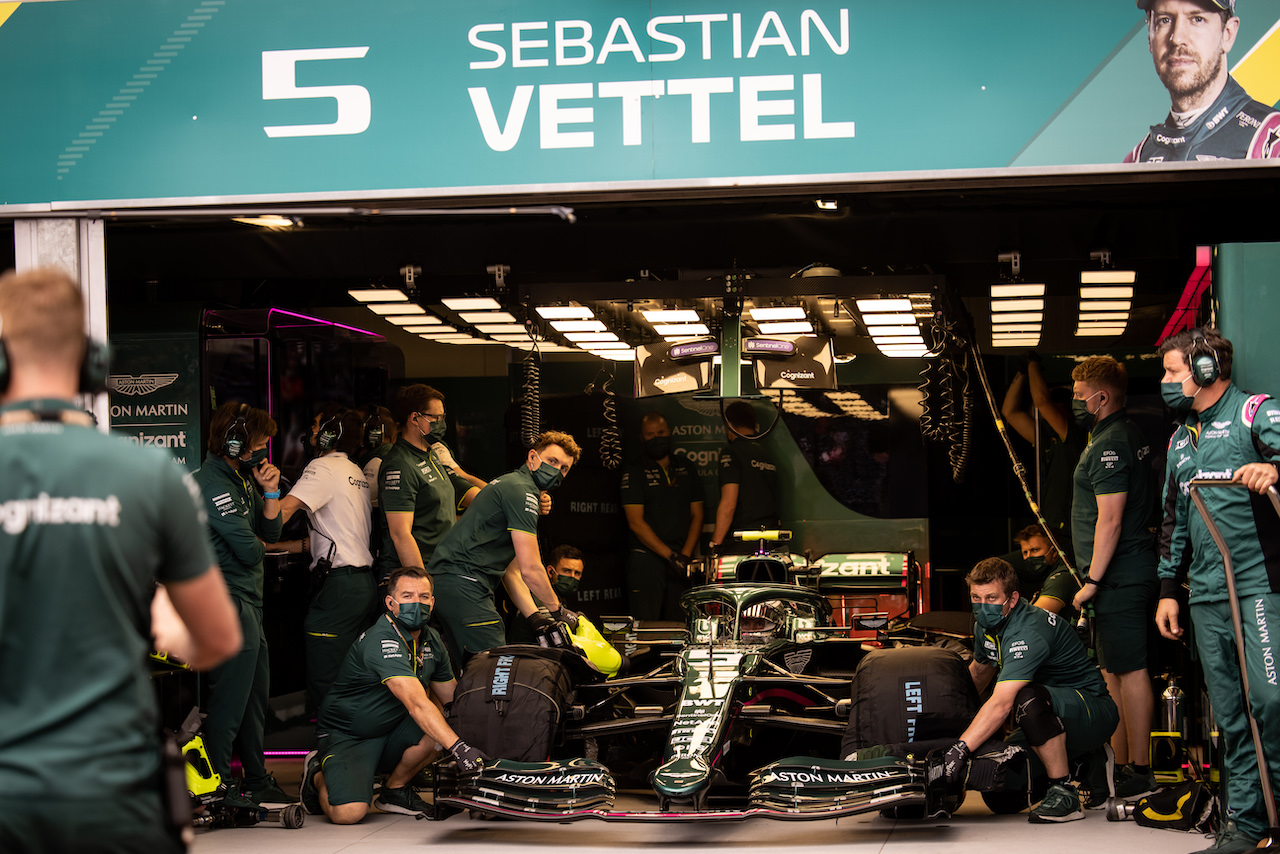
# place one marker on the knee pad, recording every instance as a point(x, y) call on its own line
point(1033, 712)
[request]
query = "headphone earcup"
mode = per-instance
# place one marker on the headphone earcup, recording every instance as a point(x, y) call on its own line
point(1204, 369)
point(94, 367)
point(4, 368)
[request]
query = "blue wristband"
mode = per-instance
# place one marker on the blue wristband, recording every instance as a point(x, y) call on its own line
point(275, 494)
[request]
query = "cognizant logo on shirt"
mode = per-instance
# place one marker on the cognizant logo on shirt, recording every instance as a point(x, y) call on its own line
point(17, 514)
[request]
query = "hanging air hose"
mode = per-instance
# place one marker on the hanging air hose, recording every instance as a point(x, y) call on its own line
point(531, 400)
point(610, 441)
point(947, 398)
point(1019, 469)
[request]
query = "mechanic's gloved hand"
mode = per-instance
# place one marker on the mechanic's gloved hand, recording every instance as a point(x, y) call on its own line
point(679, 562)
point(557, 636)
point(954, 762)
point(564, 615)
point(1026, 357)
point(470, 760)
point(541, 621)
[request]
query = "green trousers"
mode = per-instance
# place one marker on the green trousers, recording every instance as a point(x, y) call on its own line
point(237, 702)
point(1216, 644)
point(338, 613)
point(469, 619)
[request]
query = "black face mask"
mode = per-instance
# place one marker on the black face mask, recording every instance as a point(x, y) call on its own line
point(308, 449)
point(657, 447)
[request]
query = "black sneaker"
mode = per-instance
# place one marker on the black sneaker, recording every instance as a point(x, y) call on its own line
point(239, 801)
point(267, 792)
point(403, 800)
point(1231, 841)
point(1061, 803)
point(1131, 785)
point(308, 792)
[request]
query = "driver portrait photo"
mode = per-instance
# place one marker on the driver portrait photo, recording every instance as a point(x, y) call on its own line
point(1211, 117)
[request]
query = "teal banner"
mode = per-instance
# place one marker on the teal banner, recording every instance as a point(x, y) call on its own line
point(188, 102)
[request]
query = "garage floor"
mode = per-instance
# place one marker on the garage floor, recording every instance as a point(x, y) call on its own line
point(973, 829)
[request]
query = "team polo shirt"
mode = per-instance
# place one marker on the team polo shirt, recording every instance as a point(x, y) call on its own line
point(745, 463)
point(1036, 646)
point(337, 498)
point(372, 466)
point(87, 522)
point(237, 528)
point(1060, 583)
point(359, 704)
point(480, 546)
point(667, 494)
point(1117, 459)
point(1060, 459)
point(414, 481)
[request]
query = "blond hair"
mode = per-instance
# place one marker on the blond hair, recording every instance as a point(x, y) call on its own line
point(42, 317)
point(1103, 372)
point(555, 437)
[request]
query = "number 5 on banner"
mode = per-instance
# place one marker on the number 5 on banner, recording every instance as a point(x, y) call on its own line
point(280, 81)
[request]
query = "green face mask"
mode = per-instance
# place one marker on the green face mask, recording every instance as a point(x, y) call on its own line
point(437, 431)
point(1036, 566)
point(565, 585)
point(254, 459)
point(990, 615)
point(413, 615)
point(1174, 398)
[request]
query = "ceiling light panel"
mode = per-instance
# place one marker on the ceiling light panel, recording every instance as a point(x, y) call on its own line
point(1017, 289)
point(1107, 292)
point(604, 345)
point(790, 327)
point(876, 306)
point(412, 319)
point(683, 330)
point(590, 336)
point(387, 308)
point(578, 325)
point(1017, 305)
point(783, 312)
point(472, 303)
point(563, 312)
point(672, 315)
point(1108, 277)
point(488, 316)
point(500, 328)
point(888, 319)
point(378, 295)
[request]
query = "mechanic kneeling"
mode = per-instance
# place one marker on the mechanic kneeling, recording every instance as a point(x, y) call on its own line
point(383, 713)
point(1044, 677)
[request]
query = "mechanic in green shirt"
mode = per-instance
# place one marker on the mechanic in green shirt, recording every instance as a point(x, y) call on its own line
point(748, 479)
point(497, 540)
point(88, 524)
point(1227, 433)
point(1111, 524)
point(418, 496)
point(382, 715)
point(1043, 677)
point(564, 571)
point(663, 502)
point(241, 521)
point(1049, 584)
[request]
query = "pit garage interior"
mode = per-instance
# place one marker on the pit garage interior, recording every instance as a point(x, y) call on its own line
point(285, 289)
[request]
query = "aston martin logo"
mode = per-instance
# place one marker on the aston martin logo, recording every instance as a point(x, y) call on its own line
point(132, 386)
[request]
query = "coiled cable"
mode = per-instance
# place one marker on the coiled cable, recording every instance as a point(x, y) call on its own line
point(531, 400)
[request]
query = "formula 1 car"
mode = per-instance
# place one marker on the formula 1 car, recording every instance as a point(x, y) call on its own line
point(737, 718)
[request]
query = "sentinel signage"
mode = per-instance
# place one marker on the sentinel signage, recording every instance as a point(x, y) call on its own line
point(229, 101)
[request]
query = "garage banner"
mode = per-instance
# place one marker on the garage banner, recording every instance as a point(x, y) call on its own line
point(148, 102)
